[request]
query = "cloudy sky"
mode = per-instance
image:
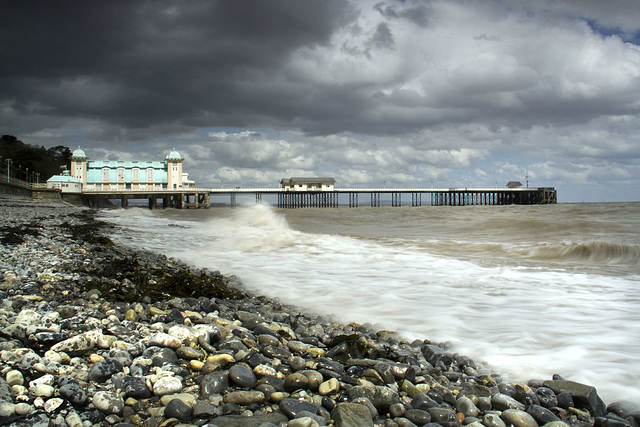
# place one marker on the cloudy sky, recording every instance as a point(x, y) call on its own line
point(382, 92)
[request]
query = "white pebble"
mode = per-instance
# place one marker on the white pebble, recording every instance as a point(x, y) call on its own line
point(167, 385)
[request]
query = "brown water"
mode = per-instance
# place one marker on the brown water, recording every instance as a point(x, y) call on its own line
point(532, 290)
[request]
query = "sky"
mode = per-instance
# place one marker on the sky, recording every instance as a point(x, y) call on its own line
point(414, 93)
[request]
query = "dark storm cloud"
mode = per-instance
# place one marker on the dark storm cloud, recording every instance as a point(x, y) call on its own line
point(139, 64)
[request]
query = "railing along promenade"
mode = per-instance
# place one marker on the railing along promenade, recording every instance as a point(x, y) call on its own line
point(22, 184)
point(286, 198)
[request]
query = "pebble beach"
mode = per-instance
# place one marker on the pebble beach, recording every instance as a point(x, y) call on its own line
point(96, 334)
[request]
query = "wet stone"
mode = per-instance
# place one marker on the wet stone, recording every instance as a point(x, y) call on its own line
point(108, 403)
point(204, 409)
point(135, 387)
point(261, 328)
point(584, 396)
point(518, 418)
point(547, 397)
point(397, 410)
point(351, 415)
point(268, 340)
point(297, 363)
point(295, 382)
point(214, 383)
point(176, 408)
point(165, 340)
point(242, 376)
point(273, 418)
point(272, 352)
point(423, 401)
point(542, 415)
point(565, 400)
point(164, 355)
point(167, 385)
point(502, 402)
point(74, 394)
point(330, 386)
point(244, 398)
point(465, 406)
point(418, 416)
point(324, 363)
point(443, 416)
point(366, 402)
point(103, 369)
point(493, 420)
point(189, 353)
point(291, 407)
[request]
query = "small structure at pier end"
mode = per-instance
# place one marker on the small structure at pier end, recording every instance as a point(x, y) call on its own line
point(307, 184)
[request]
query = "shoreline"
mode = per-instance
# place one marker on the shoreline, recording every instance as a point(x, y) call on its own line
point(101, 334)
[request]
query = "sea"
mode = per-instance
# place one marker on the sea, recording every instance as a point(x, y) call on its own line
point(529, 291)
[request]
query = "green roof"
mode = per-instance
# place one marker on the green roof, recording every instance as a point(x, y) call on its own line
point(174, 155)
point(79, 154)
point(64, 178)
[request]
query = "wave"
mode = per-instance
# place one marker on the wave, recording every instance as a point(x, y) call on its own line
point(597, 251)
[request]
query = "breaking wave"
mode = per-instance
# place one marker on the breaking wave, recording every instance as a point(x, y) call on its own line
point(598, 252)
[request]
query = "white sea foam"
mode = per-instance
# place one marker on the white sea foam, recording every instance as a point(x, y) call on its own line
point(526, 321)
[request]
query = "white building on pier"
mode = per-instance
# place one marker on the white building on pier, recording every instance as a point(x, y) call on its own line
point(307, 184)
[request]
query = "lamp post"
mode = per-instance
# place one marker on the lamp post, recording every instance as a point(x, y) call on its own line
point(9, 161)
point(37, 178)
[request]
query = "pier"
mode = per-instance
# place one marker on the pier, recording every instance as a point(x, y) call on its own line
point(352, 197)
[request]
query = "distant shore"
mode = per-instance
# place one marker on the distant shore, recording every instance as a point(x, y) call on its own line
point(95, 333)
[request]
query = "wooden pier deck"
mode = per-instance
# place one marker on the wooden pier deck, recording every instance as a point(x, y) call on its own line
point(203, 197)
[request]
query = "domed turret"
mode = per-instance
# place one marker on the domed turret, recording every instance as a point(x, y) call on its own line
point(79, 165)
point(78, 154)
point(174, 155)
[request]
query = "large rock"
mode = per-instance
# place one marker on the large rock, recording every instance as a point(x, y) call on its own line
point(255, 421)
point(351, 415)
point(584, 396)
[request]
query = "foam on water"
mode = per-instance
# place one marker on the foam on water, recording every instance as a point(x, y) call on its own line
point(526, 321)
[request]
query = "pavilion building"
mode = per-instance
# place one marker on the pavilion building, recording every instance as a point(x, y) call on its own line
point(134, 175)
